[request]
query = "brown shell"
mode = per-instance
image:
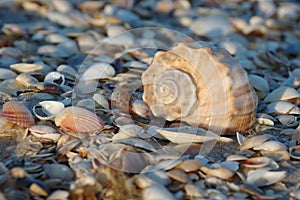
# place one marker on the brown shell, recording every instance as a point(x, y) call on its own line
point(78, 120)
point(17, 113)
point(202, 85)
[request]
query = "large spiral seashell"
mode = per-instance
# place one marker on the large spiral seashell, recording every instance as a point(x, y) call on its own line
point(78, 120)
point(201, 85)
point(17, 113)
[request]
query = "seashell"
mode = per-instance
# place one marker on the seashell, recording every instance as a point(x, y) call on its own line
point(17, 113)
point(5, 124)
point(78, 120)
point(188, 134)
point(222, 173)
point(55, 77)
point(68, 71)
point(265, 119)
point(295, 152)
point(86, 103)
point(264, 177)
point(128, 131)
point(51, 88)
point(157, 191)
point(26, 79)
point(178, 175)
point(36, 189)
point(282, 107)
point(288, 120)
point(212, 81)
point(260, 85)
point(6, 74)
point(98, 71)
point(270, 146)
point(101, 100)
point(256, 162)
point(45, 132)
point(190, 165)
point(59, 171)
point(59, 195)
point(28, 68)
point(49, 109)
point(283, 94)
point(254, 141)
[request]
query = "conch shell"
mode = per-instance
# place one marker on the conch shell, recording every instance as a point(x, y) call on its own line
point(201, 85)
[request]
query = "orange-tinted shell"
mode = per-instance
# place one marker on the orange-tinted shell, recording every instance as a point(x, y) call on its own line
point(5, 124)
point(17, 113)
point(202, 85)
point(78, 120)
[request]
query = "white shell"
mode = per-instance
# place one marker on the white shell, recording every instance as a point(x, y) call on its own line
point(98, 71)
point(270, 146)
point(189, 134)
point(282, 107)
point(55, 76)
point(101, 100)
point(260, 85)
point(49, 108)
point(194, 82)
point(264, 177)
point(283, 94)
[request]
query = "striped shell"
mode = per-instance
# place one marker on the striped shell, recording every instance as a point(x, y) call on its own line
point(17, 113)
point(78, 120)
point(201, 85)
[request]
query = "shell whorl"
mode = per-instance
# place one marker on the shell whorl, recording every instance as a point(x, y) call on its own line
point(202, 85)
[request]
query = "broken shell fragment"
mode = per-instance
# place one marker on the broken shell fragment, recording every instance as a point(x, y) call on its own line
point(55, 77)
point(17, 113)
point(49, 109)
point(177, 74)
point(78, 120)
point(295, 152)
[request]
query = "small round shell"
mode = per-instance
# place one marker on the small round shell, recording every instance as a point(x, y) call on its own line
point(78, 120)
point(17, 113)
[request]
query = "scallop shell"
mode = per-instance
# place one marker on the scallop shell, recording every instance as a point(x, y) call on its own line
point(201, 85)
point(17, 113)
point(78, 120)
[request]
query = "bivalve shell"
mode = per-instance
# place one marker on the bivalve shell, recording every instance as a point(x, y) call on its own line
point(282, 107)
point(283, 94)
point(78, 120)
point(49, 109)
point(28, 68)
point(17, 113)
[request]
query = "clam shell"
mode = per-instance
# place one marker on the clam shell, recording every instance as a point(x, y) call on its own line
point(98, 71)
point(254, 141)
point(68, 71)
point(26, 79)
point(264, 177)
point(270, 146)
point(210, 78)
point(260, 85)
point(256, 162)
point(49, 108)
point(17, 113)
point(78, 120)
point(282, 107)
point(189, 134)
point(283, 94)
point(27, 68)
point(6, 74)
